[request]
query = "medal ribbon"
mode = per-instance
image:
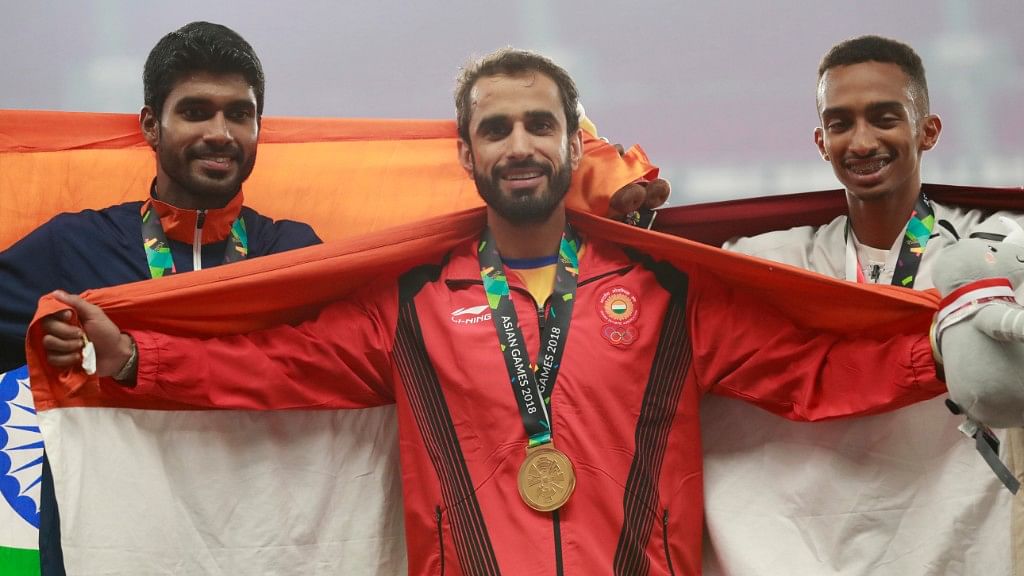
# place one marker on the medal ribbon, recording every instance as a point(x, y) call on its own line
point(532, 384)
point(158, 251)
point(919, 230)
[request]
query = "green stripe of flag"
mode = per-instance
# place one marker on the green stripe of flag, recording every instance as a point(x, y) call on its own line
point(19, 562)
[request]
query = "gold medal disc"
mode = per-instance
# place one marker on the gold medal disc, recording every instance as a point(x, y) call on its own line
point(546, 478)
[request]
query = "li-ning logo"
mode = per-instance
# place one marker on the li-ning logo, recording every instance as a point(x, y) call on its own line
point(471, 315)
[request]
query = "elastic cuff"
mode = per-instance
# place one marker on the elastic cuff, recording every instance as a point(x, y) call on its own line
point(927, 373)
point(148, 360)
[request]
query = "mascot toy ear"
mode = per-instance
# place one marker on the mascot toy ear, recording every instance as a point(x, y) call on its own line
point(1016, 235)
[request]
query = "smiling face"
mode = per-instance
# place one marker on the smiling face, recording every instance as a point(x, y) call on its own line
point(205, 139)
point(519, 153)
point(873, 131)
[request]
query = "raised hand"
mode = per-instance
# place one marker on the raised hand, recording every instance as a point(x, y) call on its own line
point(638, 196)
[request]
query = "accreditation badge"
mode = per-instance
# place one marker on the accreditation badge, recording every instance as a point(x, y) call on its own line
point(546, 478)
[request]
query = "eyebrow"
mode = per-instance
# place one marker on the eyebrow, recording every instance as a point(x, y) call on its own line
point(545, 115)
point(200, 101)
point(493, 121)
point(874, 107)
point(541, 115)
point(886, 107)
point(496, 120)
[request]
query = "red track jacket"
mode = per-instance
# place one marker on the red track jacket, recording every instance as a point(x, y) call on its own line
point(625, 414)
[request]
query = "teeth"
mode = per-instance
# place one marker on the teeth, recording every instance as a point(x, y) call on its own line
point(522, 176)
point(867, 167)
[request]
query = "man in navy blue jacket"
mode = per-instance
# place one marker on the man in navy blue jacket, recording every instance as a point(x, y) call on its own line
point(204, 89)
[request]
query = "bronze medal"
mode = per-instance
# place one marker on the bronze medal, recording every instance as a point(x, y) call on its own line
point(546, 478)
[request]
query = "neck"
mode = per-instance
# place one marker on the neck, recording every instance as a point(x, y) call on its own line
point(534, 240)
point(878, 222)
point(169, 192)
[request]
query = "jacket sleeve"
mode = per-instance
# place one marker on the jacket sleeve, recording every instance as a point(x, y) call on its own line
point(340, 359)
point(745, 348)
point(28, 269)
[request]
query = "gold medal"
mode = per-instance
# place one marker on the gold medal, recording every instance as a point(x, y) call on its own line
point(546, 478)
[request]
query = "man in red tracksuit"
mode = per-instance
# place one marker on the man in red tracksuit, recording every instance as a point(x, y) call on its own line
point(547, 384)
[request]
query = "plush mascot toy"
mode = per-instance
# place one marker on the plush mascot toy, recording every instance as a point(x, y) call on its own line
point(978, 335)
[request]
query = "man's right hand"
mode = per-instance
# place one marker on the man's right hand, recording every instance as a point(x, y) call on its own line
point(63, 341)
point(637, 195)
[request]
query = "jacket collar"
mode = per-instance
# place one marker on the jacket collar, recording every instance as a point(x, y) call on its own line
point(180, 224)
point(597, 259)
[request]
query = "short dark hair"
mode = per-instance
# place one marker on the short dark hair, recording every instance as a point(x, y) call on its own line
point(510, 61)
point(199, 46)
point(879, 49)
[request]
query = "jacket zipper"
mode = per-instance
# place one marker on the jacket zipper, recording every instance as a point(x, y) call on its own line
point(556, 525)
point(664, 536)
point(197, 241)
point(440, 536)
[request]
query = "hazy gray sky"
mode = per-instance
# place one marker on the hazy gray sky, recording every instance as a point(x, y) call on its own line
point(720, 94)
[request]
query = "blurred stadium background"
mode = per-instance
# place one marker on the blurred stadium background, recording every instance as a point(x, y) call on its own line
point(720, 94)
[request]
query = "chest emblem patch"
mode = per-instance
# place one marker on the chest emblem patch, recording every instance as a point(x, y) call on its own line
point(619, 309)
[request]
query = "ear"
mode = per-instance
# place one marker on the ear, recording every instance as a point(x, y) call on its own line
point(150, 125)
point(819, 141)
point(1016, 235)
point(576, 149)
point(466, 157)
point(931, 126)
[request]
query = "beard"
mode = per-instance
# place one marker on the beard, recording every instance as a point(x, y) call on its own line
point(215, 188)
point(522, 206)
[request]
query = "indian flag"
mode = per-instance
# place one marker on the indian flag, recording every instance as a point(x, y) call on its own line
point(155, 484)
point(147, 488)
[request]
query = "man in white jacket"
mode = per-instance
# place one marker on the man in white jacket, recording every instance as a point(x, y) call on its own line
point(900, 493)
